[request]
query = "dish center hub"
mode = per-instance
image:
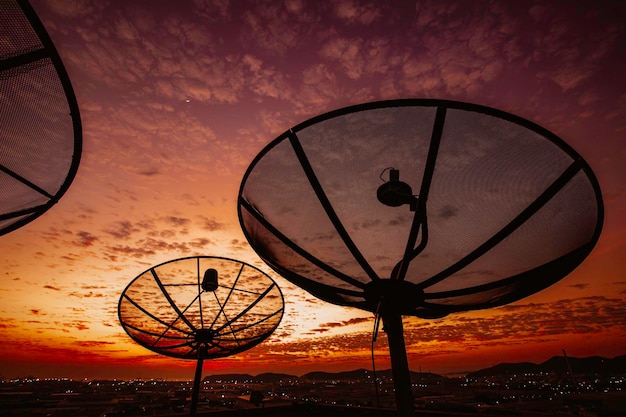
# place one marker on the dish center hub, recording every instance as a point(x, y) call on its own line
point(394, 295)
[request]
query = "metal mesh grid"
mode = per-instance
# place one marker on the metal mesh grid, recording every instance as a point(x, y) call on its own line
point(501, 208)
point(167, 310)
point(40, 132)
point(18, 36)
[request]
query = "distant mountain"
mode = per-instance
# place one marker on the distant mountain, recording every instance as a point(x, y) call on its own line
point(227, 378)
point(271, 377)
point(592, 364)
point(266, 377)
point(508, 369)
point(356, 375)
point(348, 375)
point(363, 374)
point(558, 364)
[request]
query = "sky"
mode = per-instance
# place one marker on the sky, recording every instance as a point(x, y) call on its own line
point(176, 100)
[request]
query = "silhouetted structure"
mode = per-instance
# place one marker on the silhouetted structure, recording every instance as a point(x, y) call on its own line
point(503, 208)
point(41, 135)
point(201, 308)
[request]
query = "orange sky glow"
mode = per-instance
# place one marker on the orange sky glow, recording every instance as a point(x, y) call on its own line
point(177, 98)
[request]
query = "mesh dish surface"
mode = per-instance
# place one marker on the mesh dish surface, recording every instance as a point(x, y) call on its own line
point(40, 135)
point(502, 208)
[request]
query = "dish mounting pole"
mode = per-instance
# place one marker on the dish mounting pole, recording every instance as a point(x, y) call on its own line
point(193, 407)
point(392, 325)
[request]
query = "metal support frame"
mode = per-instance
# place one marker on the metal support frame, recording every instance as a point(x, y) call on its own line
point(392, 325)
point(193, 407)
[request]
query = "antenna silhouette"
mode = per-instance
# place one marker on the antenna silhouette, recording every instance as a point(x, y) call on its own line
point(41, 135)
point(491, 208)
point(201, 307)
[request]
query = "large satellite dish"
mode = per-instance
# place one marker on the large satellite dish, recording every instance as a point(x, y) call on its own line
point(201, 307)
point(40, 129)
point(420, 207)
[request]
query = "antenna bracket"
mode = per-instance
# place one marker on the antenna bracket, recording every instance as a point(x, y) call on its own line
point(395, 193)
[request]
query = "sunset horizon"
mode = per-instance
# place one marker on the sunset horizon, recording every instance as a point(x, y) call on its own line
point(177, 101)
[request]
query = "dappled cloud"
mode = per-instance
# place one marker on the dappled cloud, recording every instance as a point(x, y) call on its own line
point(176, 100)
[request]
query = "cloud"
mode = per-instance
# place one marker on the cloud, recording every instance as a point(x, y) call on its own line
point(352, 321)
point(93, 287)
point(211, 224)
point(70, 257)
point(89, 294)
point(214, 10)
point(80, 326)
point(146, 247)
point(76, 8)
point(237, 244)
point(176, 221)
point(54, 234)
point(357, 12)
point(122, 229)
point(275, 29)
point(579, 286)
point(85, 239)
point(134, 252)
point(319, 87)
point(94, 343)
point(200, 243)
point(175, 108)
point(358, 57)
point(567, 56)
point(263, 80)
point(149, 172)
point(318, 330)
point(520, 323)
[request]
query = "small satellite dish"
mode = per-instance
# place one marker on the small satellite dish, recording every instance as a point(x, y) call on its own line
point(41, 134)
point(201, 307)
point(481, 208)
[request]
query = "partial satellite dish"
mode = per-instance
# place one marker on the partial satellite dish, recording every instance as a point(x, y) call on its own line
point(201, 307)
point(40, 135)
point(420, 207)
